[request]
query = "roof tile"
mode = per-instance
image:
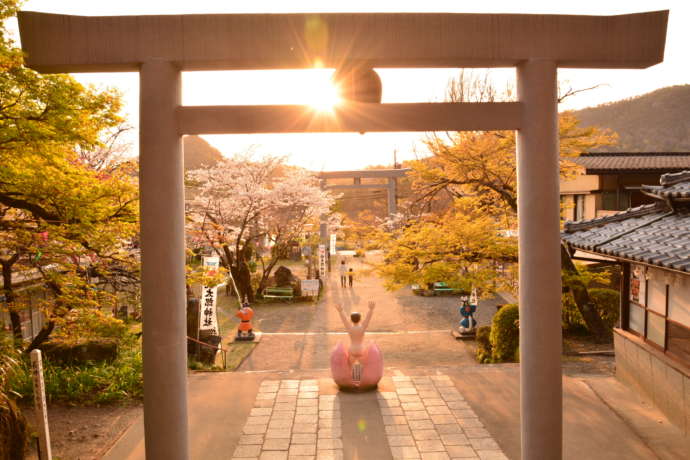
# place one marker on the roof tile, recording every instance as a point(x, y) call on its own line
point(600, 163)
point(656, 234)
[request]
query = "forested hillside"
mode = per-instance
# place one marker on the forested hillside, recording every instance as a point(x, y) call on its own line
point(198, 152)
point(654, 122)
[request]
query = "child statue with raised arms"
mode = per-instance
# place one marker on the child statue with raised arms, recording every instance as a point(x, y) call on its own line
point(356, 330)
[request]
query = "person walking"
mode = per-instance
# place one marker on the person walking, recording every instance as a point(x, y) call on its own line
point(350, 275)
point(343, 274)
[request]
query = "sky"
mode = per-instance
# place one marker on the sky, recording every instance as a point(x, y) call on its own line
point(327, 152)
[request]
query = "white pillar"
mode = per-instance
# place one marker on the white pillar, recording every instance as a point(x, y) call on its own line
point(163, 264)
point(392, 192)
point(541, 395)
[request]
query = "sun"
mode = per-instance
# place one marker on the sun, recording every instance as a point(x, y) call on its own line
point(320, 93)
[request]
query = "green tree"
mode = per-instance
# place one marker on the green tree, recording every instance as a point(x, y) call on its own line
point(482, 164)
point(66, 217)
point(480, 168)
point(463, 247)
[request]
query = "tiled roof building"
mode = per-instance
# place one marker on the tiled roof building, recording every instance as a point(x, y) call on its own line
point(612, 181)
point(652, 245)
point(611, 162)
point(653, 233)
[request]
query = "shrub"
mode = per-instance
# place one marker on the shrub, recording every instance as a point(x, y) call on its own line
point(606, 301)
point(608, 304)
point(81, 352)
point(505, 335)
point(90, 383)
point(570, 315)
point(483, 344)
point(82, 324)
point(13, 428)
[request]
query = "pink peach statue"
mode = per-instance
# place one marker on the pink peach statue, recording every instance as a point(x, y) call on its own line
point(360, 367)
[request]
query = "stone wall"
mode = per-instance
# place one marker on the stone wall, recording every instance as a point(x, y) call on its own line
point(657, 376)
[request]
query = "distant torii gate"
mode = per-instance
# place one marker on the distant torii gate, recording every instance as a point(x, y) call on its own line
point(161, 47)
point(391, 186)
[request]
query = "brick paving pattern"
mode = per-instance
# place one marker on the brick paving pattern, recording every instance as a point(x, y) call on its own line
point(291, 420)
point(427, 418)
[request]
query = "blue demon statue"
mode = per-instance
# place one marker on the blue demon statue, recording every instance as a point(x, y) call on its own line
point(467, 324)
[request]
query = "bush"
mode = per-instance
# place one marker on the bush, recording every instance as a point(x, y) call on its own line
point(608, 304)
point(571, 318)
point(505, 335)
point(83, 324)
point(90, 383)
point(77, 353)
point(483, 344)
point(13, 428)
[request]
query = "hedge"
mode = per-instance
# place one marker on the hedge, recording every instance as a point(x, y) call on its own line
point(505, 335)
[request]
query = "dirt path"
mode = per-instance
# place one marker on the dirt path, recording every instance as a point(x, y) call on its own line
point(84, 433)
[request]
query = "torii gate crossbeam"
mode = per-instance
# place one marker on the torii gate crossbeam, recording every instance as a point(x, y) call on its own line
point(160, 47)
point(390, 187)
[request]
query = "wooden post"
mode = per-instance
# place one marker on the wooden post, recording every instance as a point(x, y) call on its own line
point(624, 317)
point(44, 451)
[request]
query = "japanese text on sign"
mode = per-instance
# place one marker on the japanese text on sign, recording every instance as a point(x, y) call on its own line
point(322, 261)
point(208, 321)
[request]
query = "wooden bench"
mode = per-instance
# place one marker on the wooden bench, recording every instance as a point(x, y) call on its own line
point(442, 288)
point(283, 293)
point(417, 289)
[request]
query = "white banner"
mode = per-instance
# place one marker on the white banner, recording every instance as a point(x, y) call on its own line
point(322, 261)
point(333, 240)
point(208, 319)
point(310, 287)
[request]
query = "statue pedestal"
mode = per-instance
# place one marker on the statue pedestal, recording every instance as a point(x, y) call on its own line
point(469, 335)
point(368, 375)
point(257, 338)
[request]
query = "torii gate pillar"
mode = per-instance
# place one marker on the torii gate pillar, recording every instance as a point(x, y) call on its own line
point(392, 196)
point(540, 274)
point(161, 183)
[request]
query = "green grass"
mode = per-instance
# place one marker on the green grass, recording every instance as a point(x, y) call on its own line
point(237, 352)
point(89, 384)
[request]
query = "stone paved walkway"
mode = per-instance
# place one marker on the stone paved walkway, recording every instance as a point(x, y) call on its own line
point(597, 410)
point(290, 419)
point(427, 418)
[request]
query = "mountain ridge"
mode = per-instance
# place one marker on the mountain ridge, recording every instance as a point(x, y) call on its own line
point(658, 121)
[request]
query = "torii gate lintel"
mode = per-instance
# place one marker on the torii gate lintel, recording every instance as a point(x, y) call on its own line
point(391, 185)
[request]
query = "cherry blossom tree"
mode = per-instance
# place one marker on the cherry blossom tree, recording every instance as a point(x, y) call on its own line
point(245, 208)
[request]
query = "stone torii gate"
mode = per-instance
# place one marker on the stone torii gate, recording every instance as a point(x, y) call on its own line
point(161, 47)
point(390, 187)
